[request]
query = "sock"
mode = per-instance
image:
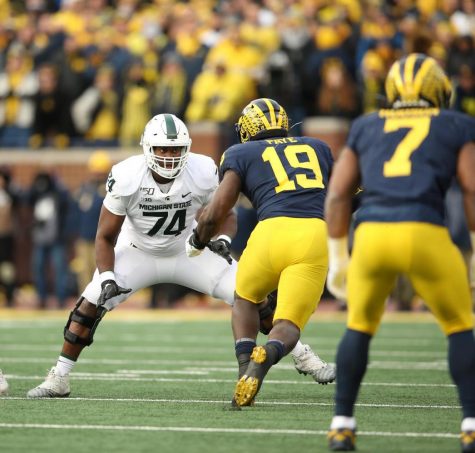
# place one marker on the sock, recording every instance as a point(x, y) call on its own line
point(351, 362)
point(64, 365)
point(340, 421)
point(468, 424)
point(299, 349)
point(243, 349)
point(276, 350)
point(462, 369)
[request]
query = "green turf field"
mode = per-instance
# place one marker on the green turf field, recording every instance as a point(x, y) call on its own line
point(164, 386)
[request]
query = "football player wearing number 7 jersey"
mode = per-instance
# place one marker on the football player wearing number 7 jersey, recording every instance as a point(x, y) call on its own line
point(285, 178)
point(405, 158)
point(150, 208)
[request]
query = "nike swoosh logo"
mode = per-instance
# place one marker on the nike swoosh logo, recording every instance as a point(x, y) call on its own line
point(185, 195)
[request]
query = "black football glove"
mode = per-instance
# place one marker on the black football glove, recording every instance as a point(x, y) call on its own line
point(195, 242)
point(222, 248)
point(110, 289)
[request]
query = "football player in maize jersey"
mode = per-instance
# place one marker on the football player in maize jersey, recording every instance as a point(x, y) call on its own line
point(150, 208)
point(404, 158)
point(285, 178)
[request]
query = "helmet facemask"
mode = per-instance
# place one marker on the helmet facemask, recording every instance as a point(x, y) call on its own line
point(166, 131)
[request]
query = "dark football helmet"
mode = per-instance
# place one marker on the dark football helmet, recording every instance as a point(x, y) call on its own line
point(262, 118)
point(417, 81)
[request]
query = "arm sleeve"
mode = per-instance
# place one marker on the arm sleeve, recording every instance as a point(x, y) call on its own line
point(115, 204)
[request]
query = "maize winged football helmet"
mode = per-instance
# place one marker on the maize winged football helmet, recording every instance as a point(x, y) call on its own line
point(262, 118)
point(166, 131)
point(417, 81)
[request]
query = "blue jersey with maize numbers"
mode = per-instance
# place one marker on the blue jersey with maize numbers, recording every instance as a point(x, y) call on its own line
point(282, 177)
point(407, 160)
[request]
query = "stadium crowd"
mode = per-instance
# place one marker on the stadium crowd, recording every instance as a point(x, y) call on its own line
point(90, 73)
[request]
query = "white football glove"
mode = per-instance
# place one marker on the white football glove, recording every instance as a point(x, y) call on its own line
point(193, 247)
point(339, 258)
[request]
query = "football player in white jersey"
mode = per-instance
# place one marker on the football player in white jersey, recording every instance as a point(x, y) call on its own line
point(150, 209)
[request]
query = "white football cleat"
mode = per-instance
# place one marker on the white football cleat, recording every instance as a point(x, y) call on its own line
point(3, 385)
point(309, 363)
point(54, 386)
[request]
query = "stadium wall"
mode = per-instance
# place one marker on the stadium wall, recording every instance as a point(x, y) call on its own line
point(71, 164)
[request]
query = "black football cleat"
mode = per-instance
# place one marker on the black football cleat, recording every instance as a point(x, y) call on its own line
point(341, 439)
point(250, 383)
point(467, 439)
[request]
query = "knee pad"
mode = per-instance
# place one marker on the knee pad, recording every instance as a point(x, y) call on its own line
point(83, 320)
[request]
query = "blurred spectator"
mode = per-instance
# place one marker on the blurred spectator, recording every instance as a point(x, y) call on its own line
point(281, 83)
point(464, 95)
point(135, 105)
point(52, 125)
point(237, 55)
point(184, 40)
point(107, 50)
point(373, 75)
point(96, 113)
point(8, 200)
point(72, 66)
point(337, 95)
point(50, 203)
point(463, 20)
point(219, 94)
point(170, 92)
point(461, 52)
point(88, 200)
point(18, 85)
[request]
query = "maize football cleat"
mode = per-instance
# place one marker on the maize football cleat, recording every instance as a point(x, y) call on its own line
point(341, 439)
point(3, 385)
point(54, 386)
point(250, 383)
point(467, 439)
point(310, 363)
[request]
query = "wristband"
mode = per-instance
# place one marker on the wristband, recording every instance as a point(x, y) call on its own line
point(224, 237)
point(107, 275)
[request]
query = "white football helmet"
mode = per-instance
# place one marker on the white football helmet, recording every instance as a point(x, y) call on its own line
point(165, 131)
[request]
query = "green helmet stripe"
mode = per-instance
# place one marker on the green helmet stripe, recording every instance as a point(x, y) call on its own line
point(170, 125)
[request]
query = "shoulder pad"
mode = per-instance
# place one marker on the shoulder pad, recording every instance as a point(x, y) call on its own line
point(126, 176)
point(203, 171)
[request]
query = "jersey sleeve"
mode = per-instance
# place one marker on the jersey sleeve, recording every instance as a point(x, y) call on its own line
point(115, 204)
point(230, 161)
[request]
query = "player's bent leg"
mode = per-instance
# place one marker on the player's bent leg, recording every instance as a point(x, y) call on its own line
point(282, 339)
point(78, 333)
point(306, 361)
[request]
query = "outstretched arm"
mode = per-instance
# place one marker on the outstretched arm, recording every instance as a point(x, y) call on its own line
point(218, 215)
point(107, 231)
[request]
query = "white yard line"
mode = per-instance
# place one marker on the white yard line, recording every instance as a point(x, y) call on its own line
point(260, 403)
point(194, 429)
point(125, 376)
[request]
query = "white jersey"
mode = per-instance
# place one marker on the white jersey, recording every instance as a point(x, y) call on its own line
point(159, 223)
